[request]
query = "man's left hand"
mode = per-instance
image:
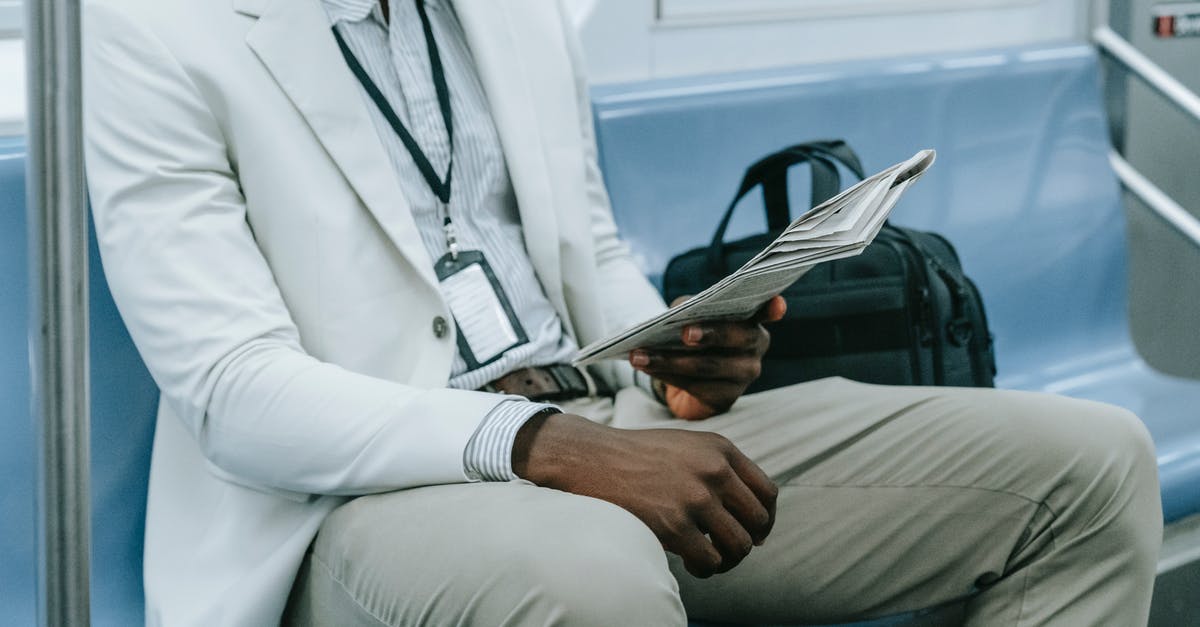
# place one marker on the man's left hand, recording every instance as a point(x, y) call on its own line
point(715, 364)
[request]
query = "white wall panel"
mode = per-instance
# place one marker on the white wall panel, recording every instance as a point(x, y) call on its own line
point(11, 17)
point(640, 39)
point(717, 10)
point(12, 87)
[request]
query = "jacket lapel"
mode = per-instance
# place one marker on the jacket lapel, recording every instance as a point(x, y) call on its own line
point(293, 39)
point(517, 69)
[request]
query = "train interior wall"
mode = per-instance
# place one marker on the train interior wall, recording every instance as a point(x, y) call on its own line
point(1162, 142)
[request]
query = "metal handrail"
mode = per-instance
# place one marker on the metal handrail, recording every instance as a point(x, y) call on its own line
point(58, 325)
point(1159, 202)
point(1147, 70)
point(1153, 75)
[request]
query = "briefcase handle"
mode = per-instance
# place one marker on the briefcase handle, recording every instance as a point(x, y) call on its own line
point(771, 172)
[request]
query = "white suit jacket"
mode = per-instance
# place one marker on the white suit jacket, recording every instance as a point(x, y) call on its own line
point(264, 259)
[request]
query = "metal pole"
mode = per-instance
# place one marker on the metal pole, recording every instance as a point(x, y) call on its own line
point(1116, 83)
point(58, 331)
point(1148, 71)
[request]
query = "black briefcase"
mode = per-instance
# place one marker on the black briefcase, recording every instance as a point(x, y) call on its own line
point(901, 313)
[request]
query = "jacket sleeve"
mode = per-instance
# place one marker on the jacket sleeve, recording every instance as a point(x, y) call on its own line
point(206, 314)
point(627, 295)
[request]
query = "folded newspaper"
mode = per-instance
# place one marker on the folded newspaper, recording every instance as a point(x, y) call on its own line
point(841, 227)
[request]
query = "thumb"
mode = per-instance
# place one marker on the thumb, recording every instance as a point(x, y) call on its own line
point(685, 406)
point(773, 311)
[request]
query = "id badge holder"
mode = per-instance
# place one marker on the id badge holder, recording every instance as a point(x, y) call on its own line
point(487, 325)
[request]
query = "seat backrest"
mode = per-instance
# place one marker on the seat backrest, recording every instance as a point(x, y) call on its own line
point(124, 399)
point(16, 427)
point(1022, 186)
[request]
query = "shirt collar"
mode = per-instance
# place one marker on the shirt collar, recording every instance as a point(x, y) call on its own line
point(350, 10)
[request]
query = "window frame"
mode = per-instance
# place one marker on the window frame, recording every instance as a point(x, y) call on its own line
point(12, 18)
point(710, 12)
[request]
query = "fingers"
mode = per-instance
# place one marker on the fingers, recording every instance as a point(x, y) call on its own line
point(729, 537)
point(748, 335)
point(686, 406)
point(696, 367)
point(747, 508)
point(773, 311)
point(717, 395)
point(711, 541)
point(740, 512)
point(761, 485)
point(700, 557)
point(741, 336)
point(718, 507)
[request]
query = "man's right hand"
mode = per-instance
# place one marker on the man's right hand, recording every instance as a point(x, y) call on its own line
point(684, 485)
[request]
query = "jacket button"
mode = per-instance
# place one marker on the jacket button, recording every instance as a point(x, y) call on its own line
point(440, 327)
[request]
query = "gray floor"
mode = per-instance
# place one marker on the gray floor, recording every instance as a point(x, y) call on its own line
point(1175, 599)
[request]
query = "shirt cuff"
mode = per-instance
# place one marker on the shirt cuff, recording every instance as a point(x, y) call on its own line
point(488, 456)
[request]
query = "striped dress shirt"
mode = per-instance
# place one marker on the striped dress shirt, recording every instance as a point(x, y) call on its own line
point(483, 204)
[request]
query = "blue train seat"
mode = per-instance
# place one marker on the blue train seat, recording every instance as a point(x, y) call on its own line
point(16, 428)
point(124, 399)
point(1023, 188)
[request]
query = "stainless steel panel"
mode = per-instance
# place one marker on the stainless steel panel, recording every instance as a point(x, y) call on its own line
point(1164, 144)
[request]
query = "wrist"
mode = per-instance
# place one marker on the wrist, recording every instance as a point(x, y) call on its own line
point(528, 437)
point(549, 448)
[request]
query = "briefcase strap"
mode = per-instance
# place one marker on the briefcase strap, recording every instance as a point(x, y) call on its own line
point(771, 172)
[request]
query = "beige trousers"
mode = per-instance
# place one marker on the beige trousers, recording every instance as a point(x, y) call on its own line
point(1044, 510)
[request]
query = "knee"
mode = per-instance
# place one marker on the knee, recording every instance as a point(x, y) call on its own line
point(1121, 431)
point(1073, 442)
point(490, 554)
point(1114, 451)
point(606, 569)
point(1093, 465)
point(1110, 476)
point(1079, 457)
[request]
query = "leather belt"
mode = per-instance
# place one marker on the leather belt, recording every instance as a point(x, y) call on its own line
point(559, 382)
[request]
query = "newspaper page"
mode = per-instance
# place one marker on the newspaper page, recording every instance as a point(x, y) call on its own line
point(841, 227)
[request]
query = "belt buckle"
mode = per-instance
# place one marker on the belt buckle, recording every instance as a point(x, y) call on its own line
point(588, 381)
point(562, 378)
point(571, 380)
point(585, 384)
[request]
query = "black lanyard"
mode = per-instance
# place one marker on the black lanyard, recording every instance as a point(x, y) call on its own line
point(440, 186)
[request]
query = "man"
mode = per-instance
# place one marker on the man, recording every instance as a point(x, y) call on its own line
point(354, 241)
